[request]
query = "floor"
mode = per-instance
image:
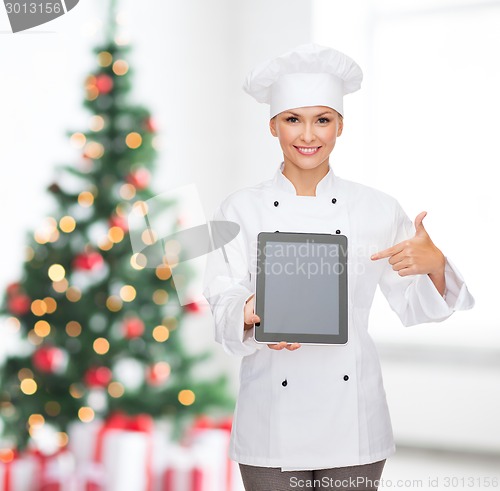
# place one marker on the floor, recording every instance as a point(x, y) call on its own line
point(418, 469)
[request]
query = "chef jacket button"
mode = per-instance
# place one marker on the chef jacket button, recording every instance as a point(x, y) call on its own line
point(334, 200)
point(276, 203)
point(346, 377)
point(284, 383)
point(337, 231)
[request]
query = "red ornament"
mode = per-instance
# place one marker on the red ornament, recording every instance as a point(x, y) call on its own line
point(133, 327)
point(150, 125)
point(158, 373)
point(48, 359)
point(192, 307)
point(98, 377)
point(19, 304)
point(139, 178)
point(13, 288)
point(118, 221)
point(88, 261)
point(104, 83)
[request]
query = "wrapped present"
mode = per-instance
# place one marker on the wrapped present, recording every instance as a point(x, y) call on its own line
point(185, 471)
point(82, 440)
point(57, 472)
point(209, 439)
point(117, 455)
point(17, 472)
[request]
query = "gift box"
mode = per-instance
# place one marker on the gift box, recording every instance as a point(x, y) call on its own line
point(114, 455)
point(18, 472)
point(57, 472)
point(209, 440)
point(187, 470)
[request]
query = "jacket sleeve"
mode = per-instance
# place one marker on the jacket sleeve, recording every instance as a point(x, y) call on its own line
point(414, 298)
point(227, 287)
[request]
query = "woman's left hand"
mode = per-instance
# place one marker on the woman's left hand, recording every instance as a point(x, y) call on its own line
point(417, 255)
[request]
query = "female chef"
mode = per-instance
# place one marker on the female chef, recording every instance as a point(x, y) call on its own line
point(317, 417)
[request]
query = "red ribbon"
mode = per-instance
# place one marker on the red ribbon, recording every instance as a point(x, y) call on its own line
point(197, 479)
point(168, 480)
point(7, 475)
point(205, 422)
point(142, 423)
point(51, 486)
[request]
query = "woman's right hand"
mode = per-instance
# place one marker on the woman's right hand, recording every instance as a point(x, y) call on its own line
point(250, 318)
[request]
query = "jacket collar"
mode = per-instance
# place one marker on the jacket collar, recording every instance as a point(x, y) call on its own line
point(325, 186)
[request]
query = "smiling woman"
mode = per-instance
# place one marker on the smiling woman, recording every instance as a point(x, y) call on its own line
point(308, 410)
point(307, 136)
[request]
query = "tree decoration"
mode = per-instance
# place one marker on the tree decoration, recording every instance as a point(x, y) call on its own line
point(119, 221)
point(104, 83)
point(133, 327)
point(49, 359)
point(139, 178)
point(18, 304)
point(88, 261)
point(98, 377)
point(150, 125)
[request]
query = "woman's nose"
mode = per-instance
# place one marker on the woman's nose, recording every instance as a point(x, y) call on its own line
point(308, 133)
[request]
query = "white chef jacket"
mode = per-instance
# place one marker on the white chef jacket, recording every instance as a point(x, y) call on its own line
point(332, 410)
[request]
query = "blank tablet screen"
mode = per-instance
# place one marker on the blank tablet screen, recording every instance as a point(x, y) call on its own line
point(311, 268)
point(302, 288)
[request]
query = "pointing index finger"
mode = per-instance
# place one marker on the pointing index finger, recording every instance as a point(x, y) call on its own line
point(387, 252)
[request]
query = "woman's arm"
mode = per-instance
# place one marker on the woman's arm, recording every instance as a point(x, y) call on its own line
point(417, 255)
point(227, 289)
point(415, 278)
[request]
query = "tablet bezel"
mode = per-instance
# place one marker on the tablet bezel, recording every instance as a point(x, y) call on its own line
point(303, 338)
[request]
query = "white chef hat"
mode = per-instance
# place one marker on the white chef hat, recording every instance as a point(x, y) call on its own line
point(309, 75)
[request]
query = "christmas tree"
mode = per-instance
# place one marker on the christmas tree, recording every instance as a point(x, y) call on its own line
point(99, 330)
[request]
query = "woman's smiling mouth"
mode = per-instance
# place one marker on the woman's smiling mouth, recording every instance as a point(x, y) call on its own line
point(307, 150)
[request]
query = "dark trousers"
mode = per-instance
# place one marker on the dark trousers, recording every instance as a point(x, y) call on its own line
point(353, 478)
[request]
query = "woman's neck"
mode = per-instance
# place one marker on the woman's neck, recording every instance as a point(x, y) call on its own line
point(305, 180)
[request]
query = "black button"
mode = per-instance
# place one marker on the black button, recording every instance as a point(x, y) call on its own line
point(284, 383)
point(346, 377)
point(276, 203)
point(277, 230)
point(334, 200)
point(337, 231)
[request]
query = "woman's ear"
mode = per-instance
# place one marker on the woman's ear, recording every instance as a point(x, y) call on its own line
point(341, 126)
point(272, 126)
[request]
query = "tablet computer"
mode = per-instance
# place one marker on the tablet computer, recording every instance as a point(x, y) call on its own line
point(301, 288)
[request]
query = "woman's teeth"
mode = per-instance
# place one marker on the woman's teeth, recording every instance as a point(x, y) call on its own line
point(307, 150)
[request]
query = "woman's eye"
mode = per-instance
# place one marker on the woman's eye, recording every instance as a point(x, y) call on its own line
point(323, 120)
point(292, 119)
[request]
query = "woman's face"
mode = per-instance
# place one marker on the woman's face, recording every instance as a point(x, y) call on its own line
point(307, 135)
